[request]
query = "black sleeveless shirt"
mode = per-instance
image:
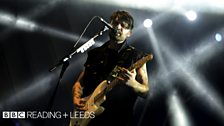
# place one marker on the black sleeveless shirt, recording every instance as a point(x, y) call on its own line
point(121, 99)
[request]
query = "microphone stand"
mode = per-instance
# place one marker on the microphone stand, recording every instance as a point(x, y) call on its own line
point(65, 63)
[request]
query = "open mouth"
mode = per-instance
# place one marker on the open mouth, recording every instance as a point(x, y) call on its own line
point(118, 34)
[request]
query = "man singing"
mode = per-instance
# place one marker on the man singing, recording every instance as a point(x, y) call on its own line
point(101, 62)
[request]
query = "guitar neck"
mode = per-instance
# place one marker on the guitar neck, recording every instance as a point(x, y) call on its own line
point(115, 73)
point(136, 65)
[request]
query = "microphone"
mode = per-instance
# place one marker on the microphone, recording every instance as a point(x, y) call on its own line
point(107, 24)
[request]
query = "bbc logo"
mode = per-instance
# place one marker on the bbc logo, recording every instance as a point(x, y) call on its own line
point(13, 115)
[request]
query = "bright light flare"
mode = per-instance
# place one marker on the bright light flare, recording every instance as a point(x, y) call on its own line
point(25, 24)
point(6, 18)
point(191, 15)
point(218, 37)
point(20, 23)
point(147, 23)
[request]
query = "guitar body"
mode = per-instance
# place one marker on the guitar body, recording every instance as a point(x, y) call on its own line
point(92, 105)
point(94, 102)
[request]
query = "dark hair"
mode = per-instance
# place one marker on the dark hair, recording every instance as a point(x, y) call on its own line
point(123, 16)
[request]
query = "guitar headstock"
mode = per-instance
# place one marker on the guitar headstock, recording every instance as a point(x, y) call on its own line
point(149, 56)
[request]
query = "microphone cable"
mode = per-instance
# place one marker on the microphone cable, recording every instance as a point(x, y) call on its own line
point(84, 31)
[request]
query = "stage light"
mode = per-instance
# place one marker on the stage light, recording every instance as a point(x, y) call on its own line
point(185, 68)
point(147, 23)
point(214, 6)
point(157, 51)
point(25, 24)
point(20, 23)
point(218, 37)
point(7, 19)
point(191, 15)
point(179, 116)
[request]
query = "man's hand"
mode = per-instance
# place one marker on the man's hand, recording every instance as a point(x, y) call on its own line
point(77, 93)
point(79, 103)
point(140, 84)
point(127, 76)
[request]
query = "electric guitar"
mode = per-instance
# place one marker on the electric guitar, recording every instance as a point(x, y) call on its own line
point(98, 96)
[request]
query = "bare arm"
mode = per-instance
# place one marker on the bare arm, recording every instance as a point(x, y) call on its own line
point(77, 91)
point(140, 86)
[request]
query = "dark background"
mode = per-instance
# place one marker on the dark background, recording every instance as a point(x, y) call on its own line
point(180, 67)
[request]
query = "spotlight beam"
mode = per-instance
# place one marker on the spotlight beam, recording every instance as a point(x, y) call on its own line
point(163, 69)
point(197, 82)
point(27, 25)
point(34, 13)
point(179, 116)
point(185, 67)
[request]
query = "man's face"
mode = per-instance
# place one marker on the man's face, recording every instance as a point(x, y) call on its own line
point(123, 30)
